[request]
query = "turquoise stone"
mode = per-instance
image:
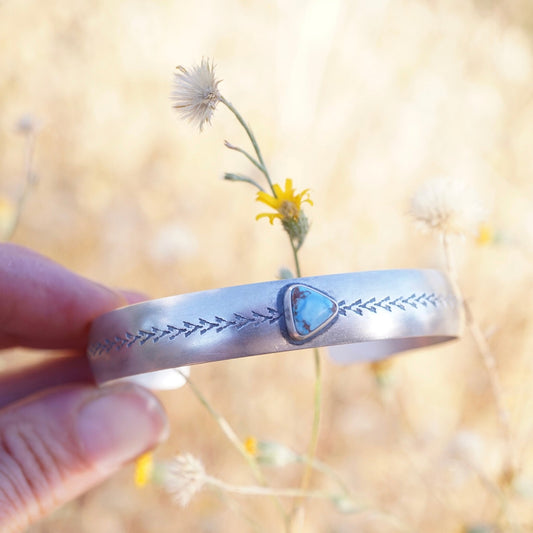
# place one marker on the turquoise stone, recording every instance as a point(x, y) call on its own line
point(308, 311)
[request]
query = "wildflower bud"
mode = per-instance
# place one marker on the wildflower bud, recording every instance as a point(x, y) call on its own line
point(275, 454)
point(344, 504)
point(382, 371)
point(297, 228)
point(285, 273)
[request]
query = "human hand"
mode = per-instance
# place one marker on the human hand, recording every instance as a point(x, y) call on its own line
point(59, 433)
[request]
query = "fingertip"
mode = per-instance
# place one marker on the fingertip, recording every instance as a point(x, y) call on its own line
point(62, 442)
point(44, 305)
point(119, 424)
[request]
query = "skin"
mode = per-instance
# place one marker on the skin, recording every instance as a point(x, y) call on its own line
point(60, 434)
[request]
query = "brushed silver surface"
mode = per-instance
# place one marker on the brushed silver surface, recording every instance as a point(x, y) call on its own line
point(401, 308)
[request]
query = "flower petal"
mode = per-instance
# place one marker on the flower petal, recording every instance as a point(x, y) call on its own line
point(271, 216)
point(268, 199)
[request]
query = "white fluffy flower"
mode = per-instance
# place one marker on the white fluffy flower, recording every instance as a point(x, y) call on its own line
point(184, 477)
point(447, 205)
point(195, 93)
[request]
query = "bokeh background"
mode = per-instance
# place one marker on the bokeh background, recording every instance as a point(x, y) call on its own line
point(359, 100)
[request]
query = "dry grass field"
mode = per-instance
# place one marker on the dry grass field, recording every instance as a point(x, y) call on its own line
point(359, 100)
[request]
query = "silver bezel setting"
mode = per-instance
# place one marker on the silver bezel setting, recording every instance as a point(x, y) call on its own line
point(290, 321)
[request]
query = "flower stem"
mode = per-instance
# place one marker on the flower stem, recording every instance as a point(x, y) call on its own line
point(252, 490)
point(252, 138)
point(234, 439)
point(317, 405)
point(245, 154)
point(297, 267)
point(230, 176)
point(317, 399)
point(487, 358)
point(225, 427)
point(325, 469)
point(29, 181)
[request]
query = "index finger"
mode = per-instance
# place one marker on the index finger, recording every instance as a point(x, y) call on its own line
point(44, 305)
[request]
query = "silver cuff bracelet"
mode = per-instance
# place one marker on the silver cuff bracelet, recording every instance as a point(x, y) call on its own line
point(383, 311)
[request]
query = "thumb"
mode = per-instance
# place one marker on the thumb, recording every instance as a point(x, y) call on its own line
point(57, 445)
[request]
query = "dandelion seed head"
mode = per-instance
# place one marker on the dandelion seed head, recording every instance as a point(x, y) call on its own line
point(448, 206)
point(195, 93)
point(184, 477)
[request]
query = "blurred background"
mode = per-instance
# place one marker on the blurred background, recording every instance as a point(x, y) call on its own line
point(359, 100)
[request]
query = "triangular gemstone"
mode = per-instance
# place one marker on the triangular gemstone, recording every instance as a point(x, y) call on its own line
point(307, 311)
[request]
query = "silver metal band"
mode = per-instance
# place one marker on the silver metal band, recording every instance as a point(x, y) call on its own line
point(400, 309)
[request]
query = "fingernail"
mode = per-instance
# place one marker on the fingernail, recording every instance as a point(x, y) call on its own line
point(118, 425)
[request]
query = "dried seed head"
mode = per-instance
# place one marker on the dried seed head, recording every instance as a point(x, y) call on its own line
point(184, 477)
point(448, 206)
point(195, 93)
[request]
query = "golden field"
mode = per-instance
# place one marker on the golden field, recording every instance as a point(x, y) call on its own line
point(360, 101)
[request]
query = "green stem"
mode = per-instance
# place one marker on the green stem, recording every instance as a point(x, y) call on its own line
point(29, 180)
point(244, 490)
point(298, 270)
point(245, 154)
point(225, 427)
point(317, 404)
point(264, 491)
point(325, 469)
point(510, 467)
point(230, 176)
point(487, 357)
point(317, 398)
point(251, 136)
point(234, 439)
point(318, 373)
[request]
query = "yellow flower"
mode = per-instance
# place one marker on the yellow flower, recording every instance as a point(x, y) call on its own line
point(250, 445)
point(485, 234)
point(144, 467)
point(286, 202)
point(382, 371)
